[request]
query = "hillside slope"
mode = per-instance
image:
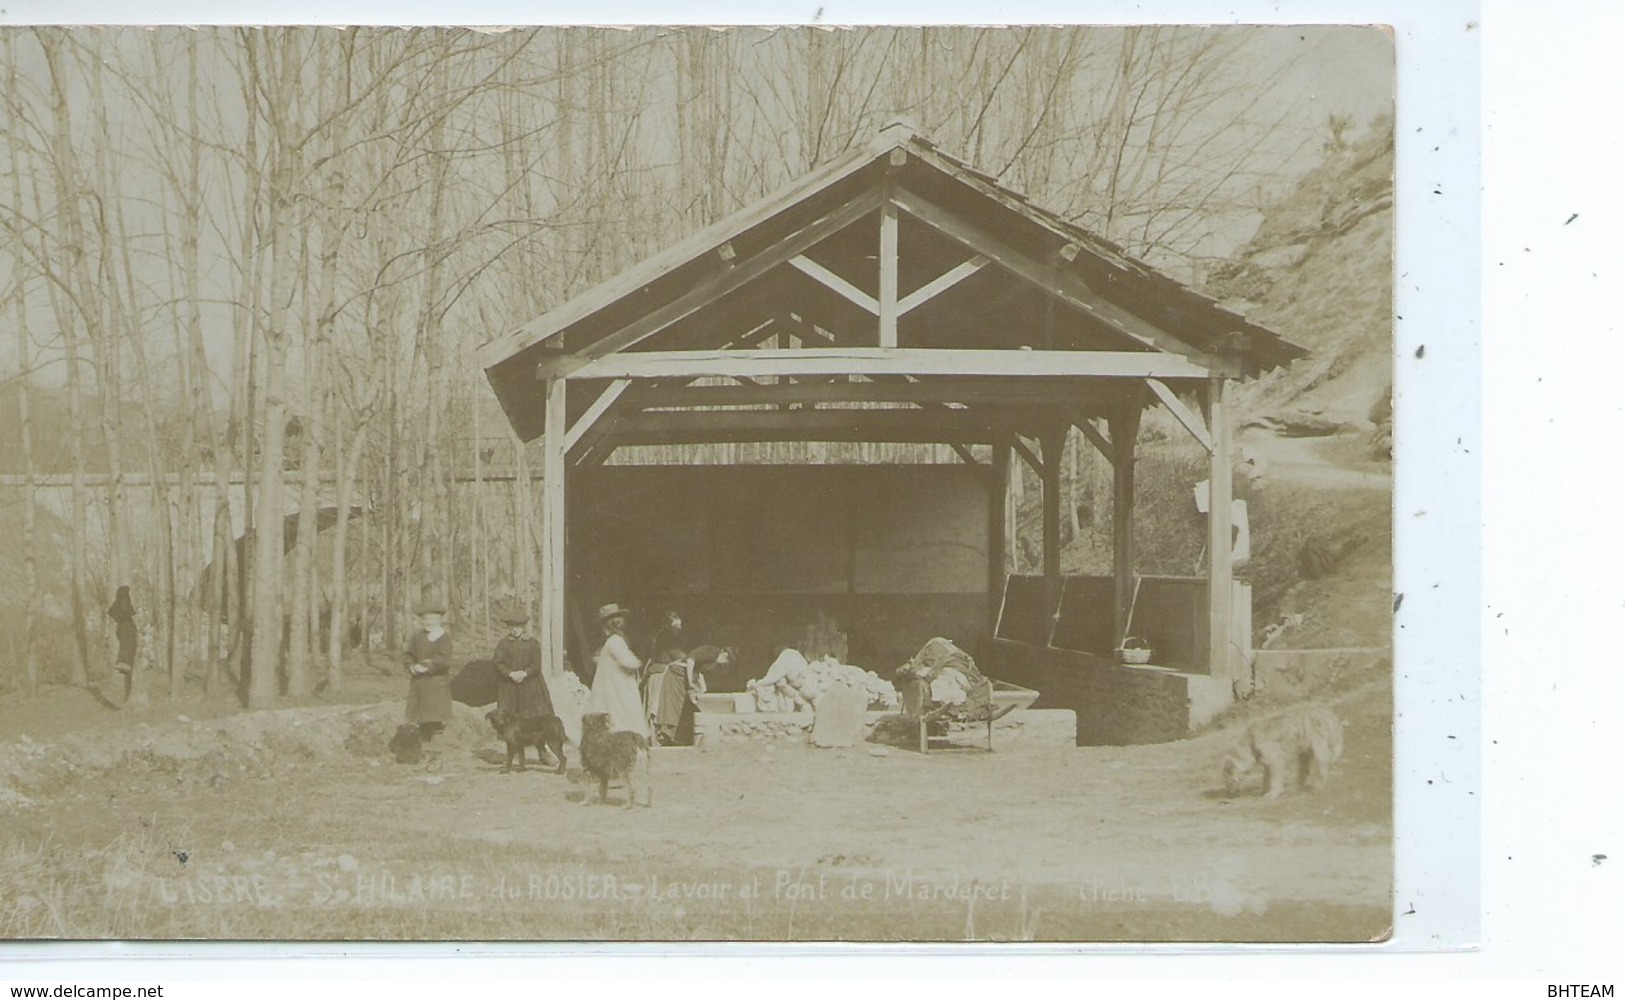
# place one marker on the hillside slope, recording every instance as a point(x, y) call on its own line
point(1320, 272)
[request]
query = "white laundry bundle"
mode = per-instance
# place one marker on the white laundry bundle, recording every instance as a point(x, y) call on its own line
point(794, 684)
point(950, 687)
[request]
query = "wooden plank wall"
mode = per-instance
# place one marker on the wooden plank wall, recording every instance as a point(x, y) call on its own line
point(750, 556)
point(1171, 614)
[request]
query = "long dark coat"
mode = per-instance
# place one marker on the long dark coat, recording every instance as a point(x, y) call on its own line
point(428, 696)
point(123, 613)
point(528, 698)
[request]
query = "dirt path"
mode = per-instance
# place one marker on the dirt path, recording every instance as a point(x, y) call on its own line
point(1324, 463)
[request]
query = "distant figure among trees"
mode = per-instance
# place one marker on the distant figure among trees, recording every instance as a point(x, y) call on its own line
point(122, 612)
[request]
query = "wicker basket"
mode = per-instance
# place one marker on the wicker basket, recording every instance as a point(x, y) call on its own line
point(1134, 650)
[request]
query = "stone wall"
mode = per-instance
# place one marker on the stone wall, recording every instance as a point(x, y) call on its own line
point(1115, 704)
point(1025, 727)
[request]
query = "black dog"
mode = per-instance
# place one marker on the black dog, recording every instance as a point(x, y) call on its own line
point(407, 744)
point(539, 731)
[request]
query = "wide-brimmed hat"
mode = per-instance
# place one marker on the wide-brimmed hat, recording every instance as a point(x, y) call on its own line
point(431, 606)
point(612, 610)
point(513, 614)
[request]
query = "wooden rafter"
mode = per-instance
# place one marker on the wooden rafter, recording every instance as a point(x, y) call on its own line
point(721, 283)
point(1060, 283)
point(936, 286)
point(807, 330)
point(835, 283)
point(559, 319)
point(584, 440)
point(755, 336)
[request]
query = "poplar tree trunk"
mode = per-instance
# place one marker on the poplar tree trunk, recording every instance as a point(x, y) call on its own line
point(70, 235)
point(25, 427)
point(268, 538)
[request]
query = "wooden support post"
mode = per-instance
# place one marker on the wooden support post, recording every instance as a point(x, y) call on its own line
point(888, 275)
point(553, 624)
point(1220, 661)
point(1053, 444)
point(998, 499)
point(1125, 428)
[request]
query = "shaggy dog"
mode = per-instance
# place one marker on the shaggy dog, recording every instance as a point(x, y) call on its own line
point(1298, 746)
point(621, 756)
point(407, 744)
point(539, 732)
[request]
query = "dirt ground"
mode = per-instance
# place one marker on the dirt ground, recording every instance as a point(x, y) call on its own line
point(295, 824)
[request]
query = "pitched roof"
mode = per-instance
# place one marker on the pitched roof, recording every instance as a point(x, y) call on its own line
point(1107, 299)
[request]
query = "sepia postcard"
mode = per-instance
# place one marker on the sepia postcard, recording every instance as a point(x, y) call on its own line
point(879, 484)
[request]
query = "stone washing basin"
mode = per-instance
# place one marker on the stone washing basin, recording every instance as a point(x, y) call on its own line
point(729, 703)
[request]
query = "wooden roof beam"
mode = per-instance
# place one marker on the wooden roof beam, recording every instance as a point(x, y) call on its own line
point(626, 439)
point(711, 426)
point(882, 361)
point(970, 393)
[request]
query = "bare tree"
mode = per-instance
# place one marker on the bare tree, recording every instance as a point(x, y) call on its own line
point(25, 428)
point(278, 80)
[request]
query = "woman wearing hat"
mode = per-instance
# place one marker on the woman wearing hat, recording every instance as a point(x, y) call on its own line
point(521, 691)
point(615, 679)
point(428, 662)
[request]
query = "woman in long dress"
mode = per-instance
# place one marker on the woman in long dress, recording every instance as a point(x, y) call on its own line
point(521, 691)
point(428, 664)
point(615, 677)
point(123, 614)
